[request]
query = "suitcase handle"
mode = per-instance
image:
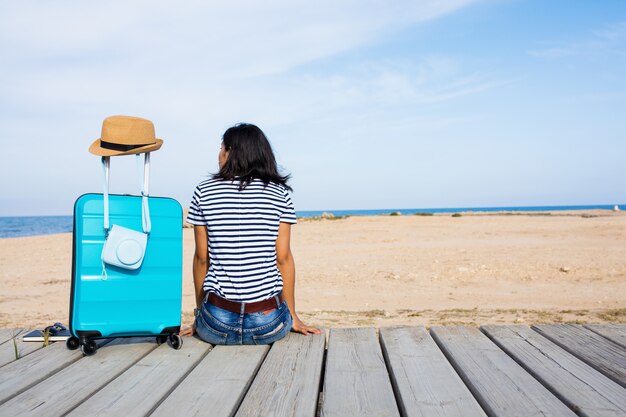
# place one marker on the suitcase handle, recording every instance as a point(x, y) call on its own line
point(145, 183)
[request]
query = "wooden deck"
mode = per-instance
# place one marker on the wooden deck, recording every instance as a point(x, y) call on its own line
point(546, 370)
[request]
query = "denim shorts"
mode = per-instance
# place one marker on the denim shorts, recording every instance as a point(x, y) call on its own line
point(223, 327)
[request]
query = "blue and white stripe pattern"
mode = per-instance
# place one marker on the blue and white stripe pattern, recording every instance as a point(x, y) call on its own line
point(242, 229)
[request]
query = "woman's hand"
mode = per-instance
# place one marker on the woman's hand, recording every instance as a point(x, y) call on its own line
point(188, 331)
point(300, 327)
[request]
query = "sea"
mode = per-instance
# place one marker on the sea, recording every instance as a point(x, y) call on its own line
point(46, 225)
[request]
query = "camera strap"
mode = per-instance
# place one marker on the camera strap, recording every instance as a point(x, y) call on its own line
point(144, 179)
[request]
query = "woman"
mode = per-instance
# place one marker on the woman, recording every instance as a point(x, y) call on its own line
point(243, 269)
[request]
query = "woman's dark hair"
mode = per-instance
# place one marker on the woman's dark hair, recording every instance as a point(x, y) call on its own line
point(250, 156)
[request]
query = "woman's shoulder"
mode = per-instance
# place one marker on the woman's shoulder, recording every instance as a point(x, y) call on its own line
point(256, 185)
point(211, 183)
point(214, 187)
point(274, 188)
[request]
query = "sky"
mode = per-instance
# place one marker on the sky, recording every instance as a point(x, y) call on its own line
point(367, 104)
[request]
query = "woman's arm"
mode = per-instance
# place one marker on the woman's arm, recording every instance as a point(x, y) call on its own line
point(287, 268)
point(200, 268)
point(200, 262)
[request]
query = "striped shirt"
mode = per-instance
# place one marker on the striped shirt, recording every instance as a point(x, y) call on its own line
point(242, 229)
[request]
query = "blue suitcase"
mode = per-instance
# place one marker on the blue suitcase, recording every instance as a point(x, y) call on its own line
point(109, 301)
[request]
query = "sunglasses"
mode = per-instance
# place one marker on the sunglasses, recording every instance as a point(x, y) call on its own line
point(54, 329)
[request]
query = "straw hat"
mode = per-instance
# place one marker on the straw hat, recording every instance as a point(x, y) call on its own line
point(125, 135)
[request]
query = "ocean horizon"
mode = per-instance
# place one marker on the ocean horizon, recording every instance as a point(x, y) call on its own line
point(22, 226)
point(316, 213)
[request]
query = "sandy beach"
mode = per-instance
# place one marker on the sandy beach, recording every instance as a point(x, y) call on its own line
point(392, 270)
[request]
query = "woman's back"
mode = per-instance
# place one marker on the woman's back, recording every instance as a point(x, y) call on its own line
point(243, 269)
point(242, 227)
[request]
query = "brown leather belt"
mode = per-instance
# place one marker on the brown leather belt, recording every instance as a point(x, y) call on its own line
point(235, 307)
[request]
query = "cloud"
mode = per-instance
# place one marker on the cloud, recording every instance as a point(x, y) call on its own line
point(242, 38)
point(555, 53)
point(613, 33)
point(195, 68)
point(607, 41)
point(375, 86)
point(174, 61)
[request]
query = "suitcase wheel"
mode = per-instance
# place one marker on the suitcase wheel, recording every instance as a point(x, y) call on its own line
point(72, 343)
point(161, 339)
point(89, 347)
point(175, 341)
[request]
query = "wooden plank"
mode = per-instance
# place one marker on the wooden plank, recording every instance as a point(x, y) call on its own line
point(356, 381)
point(20, 375)
point(424, 381)
point(8, 334)
point(501, 386)
point(614, 332)
point(216, 385)
point(64, 390)
point(8, 349)
point(577, 384)
point(288, 382)
point(141, 388)
point(599, 352)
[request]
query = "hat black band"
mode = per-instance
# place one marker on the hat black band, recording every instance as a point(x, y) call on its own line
point(118, 147)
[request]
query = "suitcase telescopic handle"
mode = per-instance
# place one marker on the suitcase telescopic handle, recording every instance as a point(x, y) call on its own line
point(144, 179)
